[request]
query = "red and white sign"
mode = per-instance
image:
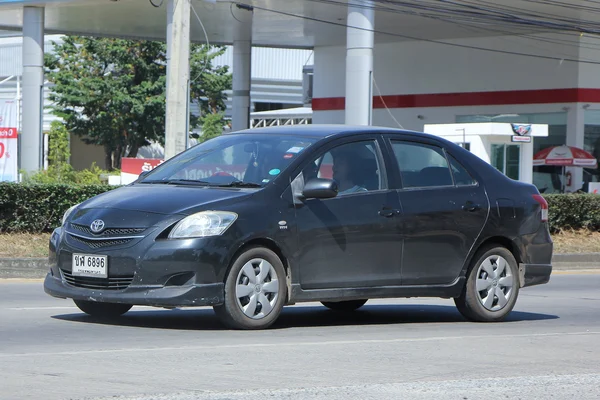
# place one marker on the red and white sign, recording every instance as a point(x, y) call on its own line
point(131, 168)
point(138, 165)
point(8, 141)
point(565, 156)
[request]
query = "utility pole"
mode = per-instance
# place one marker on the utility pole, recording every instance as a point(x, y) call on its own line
point(242, 66)
point(178, 76)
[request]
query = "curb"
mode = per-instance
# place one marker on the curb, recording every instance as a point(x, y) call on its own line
point(36, 268)
point(23, 268)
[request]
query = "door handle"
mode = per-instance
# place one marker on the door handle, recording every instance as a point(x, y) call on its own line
point(387, 212)
point(469, 206)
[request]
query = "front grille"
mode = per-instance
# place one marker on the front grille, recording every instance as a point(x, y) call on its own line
point(111, 283)
point(98, 244)
point(109, 231)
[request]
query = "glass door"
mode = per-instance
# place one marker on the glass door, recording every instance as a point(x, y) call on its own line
point(507, 159)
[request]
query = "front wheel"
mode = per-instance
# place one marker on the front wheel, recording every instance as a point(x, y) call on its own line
point(102, 310)
point(346, 306)
point(492, 286)
point(255, 290)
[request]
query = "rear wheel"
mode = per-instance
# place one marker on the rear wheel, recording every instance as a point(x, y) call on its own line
point(492, 286)
point(349, 305)
point(103, 310)
point(255, 290)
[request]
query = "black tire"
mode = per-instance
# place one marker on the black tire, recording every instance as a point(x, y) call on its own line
point(471, 302)
point(231, 312)
point(345, 306)
point(102, 310)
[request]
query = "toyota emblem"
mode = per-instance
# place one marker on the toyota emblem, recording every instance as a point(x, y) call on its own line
point(97, 226)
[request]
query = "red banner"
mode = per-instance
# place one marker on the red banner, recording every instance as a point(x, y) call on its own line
point(138, 165)
point(8, 141)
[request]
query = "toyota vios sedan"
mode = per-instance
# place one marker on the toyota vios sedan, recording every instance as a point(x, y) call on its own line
point(251, 221)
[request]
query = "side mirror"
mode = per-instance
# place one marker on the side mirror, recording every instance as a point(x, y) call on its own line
point(319, 188)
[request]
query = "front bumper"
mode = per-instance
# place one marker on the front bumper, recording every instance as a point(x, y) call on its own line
point(157, 296)
point(535, 274)
point(145, 271)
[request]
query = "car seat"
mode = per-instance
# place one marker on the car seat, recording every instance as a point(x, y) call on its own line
point(435, 176)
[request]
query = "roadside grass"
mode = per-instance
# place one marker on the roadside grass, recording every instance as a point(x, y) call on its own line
point(582, 241)
point(20, 245)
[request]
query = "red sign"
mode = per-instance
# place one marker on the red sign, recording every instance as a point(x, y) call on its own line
point(8, 133)
point(138, 165)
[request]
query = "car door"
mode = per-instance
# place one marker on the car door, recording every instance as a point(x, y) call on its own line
point(444, 211)
point(353, 239)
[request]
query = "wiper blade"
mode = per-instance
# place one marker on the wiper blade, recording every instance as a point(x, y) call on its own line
point(178, 182)
point(187, 182)
point(241, 184)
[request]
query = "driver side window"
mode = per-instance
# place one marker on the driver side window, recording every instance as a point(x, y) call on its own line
point(355, 167)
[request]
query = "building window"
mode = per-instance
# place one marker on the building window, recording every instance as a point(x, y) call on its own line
point(506, 159)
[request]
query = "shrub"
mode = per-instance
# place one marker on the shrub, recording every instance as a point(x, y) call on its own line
point(40, 207)
point(573, 211)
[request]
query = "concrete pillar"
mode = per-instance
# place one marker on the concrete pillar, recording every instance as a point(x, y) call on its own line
point(242, 67)
point(178, 76)
point(359, 63)
point(526, 162)
point(575, 132)
point(33, 88)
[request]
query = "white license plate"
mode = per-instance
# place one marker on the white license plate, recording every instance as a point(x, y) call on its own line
point(90, 265)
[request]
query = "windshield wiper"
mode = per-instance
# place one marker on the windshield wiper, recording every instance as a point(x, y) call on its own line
point(241, 184)
point(179, 182)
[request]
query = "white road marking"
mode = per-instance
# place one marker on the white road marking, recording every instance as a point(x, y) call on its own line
point(294, 344)
point(38, 308)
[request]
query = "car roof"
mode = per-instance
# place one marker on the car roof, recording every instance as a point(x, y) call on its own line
point(327, 130)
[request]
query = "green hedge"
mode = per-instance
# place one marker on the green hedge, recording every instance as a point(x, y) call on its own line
point(40, 207)
point(573, 211)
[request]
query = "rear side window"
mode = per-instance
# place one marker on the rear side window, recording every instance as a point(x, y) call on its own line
point(422, 165)
point(462, 177)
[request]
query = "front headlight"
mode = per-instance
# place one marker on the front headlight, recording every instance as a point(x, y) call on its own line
point(203, 224)
point(67, 213)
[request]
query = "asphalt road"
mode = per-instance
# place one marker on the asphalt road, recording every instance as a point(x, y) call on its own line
point(408, 349)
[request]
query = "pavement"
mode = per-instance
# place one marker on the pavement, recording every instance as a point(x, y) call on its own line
point(389, 349)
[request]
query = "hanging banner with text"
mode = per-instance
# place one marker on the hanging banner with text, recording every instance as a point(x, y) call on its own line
point(8, 141)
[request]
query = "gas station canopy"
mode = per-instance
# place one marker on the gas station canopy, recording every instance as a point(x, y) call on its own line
point(289, 23)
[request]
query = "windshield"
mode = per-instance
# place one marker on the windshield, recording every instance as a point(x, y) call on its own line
point(243, 160)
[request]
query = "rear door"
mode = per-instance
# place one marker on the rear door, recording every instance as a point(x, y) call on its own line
point(444, 211)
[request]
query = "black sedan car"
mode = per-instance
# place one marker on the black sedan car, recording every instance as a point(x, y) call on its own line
point(251, 221)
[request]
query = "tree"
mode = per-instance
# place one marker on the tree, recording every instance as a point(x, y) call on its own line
point(111, 92)
point(59, 152)
point(207, 88)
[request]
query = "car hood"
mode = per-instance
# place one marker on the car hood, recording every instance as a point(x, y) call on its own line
point(165, 199)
